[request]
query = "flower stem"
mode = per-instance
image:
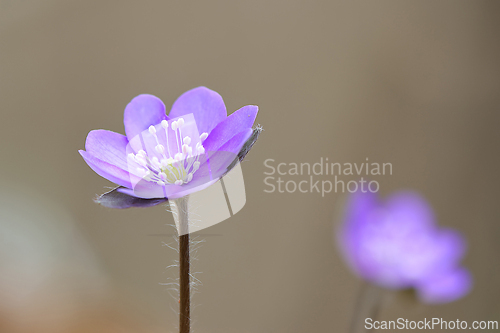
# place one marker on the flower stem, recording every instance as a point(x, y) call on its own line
point(368, 305)
point(356, 317)
point(185, 298)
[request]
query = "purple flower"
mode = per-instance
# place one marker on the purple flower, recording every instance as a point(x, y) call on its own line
point(167, 157)
point(397, 245)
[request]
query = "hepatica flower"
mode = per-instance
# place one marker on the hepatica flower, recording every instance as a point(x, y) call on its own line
point(170, 156)
point(398, 245)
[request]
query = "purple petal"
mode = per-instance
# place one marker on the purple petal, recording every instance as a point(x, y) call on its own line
point(360, 206)
point(116, 199)
point(410, 208)
point(235, 144)
point(142, 112)
point(216, 164)
point(206, 105)
point(106, 170)
point(238, 121)
point(450, 248)
point(229, 152)
point(445, 288)
point(219, 161)
point(109, 147)
point(356, 216)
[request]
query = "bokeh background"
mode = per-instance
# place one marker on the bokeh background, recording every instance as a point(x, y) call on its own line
point(413, 83)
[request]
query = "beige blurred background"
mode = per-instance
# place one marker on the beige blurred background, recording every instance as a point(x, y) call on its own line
point(413, 83)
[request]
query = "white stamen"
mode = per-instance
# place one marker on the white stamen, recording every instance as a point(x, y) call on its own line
point(166, 162)
point(164, 124)
point(155, 162)
point(162, 169)
point(141, 160)
point(160, 149)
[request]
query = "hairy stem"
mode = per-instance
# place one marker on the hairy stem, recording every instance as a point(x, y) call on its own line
point(185, 298)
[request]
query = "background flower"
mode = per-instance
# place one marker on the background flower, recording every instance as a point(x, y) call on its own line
point(397, 245)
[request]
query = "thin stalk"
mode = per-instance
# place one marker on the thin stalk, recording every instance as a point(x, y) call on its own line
point(368, 305)
point(376, 306)
point(356, 317)
point(184, 278)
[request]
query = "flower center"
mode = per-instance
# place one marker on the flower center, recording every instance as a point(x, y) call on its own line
point(174, 164)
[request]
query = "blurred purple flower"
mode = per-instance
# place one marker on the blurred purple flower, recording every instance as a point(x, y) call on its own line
point(397, 245)
point(167, 157)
